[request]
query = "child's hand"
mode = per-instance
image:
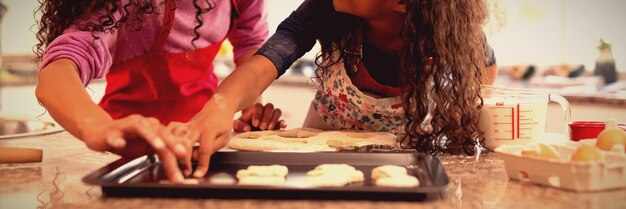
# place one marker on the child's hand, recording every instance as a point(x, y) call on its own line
point(135, 136)
point(259, 117)
point(212, 127)
point(179, 131)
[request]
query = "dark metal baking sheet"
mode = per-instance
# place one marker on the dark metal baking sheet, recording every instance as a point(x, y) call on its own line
point(142, 177)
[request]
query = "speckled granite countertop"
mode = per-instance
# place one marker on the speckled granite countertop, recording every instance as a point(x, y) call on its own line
point(56, 183)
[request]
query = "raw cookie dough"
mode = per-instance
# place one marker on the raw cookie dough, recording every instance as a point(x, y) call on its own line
point(387, 171)
point(264, 145)
point(307, 139)
point(337, 143)
point(254, 134)
point(360, 134)
point(333, 175)
point(277, 138)
point(299, 133)
point(339, 139)
point(262, 175)
point(393, 176)
point(398, 181)
point(263, 170)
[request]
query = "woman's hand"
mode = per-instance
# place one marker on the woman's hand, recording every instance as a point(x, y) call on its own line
point(135, 136)
point(259, 117)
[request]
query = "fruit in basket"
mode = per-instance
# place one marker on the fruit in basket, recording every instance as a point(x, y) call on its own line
point(544, 151)
point(530, 153)
point(586, 152)
point(611, 136)
point(548, 151)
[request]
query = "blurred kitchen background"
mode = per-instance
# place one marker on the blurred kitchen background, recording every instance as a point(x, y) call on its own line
point(573, 47)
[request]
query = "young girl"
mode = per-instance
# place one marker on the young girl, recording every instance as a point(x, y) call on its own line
point(157, 59)
point(412, 67)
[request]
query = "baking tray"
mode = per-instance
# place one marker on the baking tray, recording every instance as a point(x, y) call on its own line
point(140, 177)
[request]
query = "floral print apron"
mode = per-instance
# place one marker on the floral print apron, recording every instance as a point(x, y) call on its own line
point(338, 104)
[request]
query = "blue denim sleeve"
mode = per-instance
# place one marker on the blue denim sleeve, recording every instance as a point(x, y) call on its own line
point(293, 38)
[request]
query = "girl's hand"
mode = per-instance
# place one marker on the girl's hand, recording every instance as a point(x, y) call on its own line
point(259, 117)
point(179, 131)
point(135, 136)
point(212, 127)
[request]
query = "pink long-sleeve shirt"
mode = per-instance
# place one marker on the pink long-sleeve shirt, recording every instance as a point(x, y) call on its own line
point(95, 57)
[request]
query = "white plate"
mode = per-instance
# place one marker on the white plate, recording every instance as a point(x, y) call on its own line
point(33, 126)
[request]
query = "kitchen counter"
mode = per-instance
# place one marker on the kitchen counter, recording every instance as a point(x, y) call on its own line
point(56, 183)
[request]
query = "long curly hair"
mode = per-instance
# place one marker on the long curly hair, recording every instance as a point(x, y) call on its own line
point(59, 15)
point(449, 32)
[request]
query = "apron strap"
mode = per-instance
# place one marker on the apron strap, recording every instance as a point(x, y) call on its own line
point(168, 21)
point(234, 16)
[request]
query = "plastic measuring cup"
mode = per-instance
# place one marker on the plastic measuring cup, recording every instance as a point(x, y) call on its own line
point(515, 116)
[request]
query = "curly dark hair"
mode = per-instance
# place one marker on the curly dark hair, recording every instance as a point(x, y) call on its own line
point(449, 32)
point(58, 15)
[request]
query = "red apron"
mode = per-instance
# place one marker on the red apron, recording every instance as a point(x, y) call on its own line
point(167, 86)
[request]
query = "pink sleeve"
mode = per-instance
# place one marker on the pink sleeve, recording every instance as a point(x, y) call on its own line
point(92, 56)
point(252, 30)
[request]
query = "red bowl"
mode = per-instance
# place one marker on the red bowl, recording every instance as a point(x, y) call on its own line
point(588, 129)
